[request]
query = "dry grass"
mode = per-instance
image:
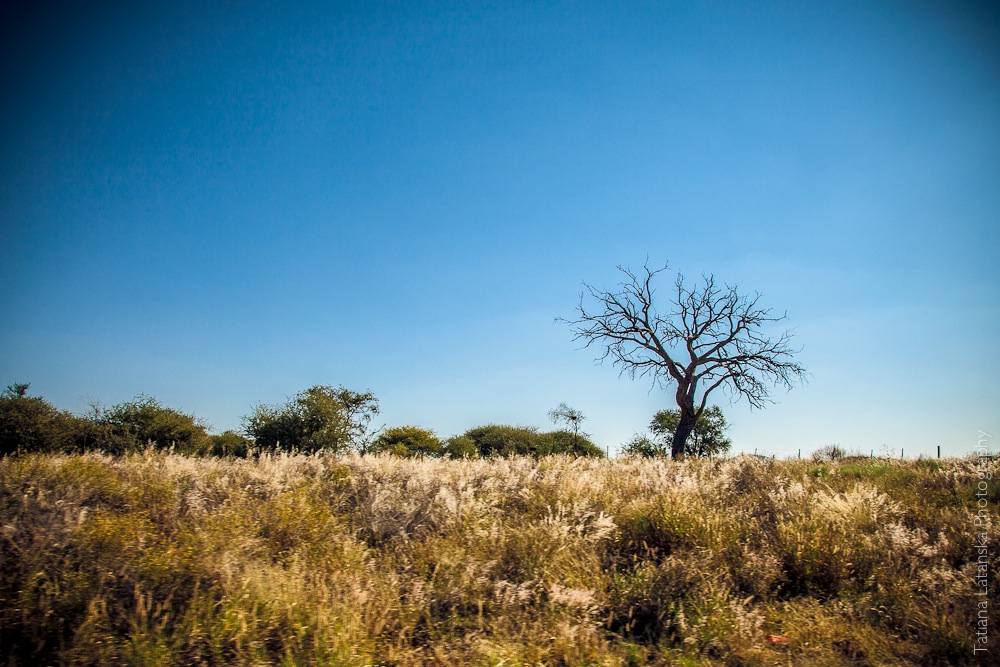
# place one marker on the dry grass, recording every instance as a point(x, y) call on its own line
point(161, 559)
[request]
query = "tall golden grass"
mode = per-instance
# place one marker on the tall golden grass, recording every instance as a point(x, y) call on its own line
point(162, 559)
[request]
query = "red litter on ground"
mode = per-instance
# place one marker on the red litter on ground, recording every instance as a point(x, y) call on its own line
point(778, 639)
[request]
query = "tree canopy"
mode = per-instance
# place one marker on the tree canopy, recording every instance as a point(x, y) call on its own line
point(708, 438)
point(505, 441)
point(134, 425)
point(408, 441)
point(32, 424)
point(319, 418)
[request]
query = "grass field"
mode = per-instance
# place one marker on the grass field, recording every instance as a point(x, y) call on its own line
point(161, 559)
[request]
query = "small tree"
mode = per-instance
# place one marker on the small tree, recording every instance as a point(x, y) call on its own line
point(708, 438)
point(832, 452)
point(319, 418)
point(711, 336)
point(567, 415)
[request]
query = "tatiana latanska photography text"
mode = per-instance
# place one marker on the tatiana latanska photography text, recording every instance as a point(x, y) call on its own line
point(982, 525)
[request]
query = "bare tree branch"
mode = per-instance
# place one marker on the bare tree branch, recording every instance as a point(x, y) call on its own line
point(711, 337)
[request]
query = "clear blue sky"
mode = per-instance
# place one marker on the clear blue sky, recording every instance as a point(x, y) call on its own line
point(222, 205)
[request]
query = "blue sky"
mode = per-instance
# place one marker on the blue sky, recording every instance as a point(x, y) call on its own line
point(220, 206)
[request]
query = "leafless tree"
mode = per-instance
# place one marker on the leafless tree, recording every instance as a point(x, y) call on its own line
point(571, 416)
point(711, 337)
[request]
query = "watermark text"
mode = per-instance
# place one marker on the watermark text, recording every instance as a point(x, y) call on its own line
point(981, 526)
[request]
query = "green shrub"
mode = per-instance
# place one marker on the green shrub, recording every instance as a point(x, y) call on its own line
point(230, 443)
point(507, 441)
point(408, 441)
point(707, 439)
point(32, 424)
point(319, 418)
point(565, 442)
point(461, 447)
point(500, 440)
point(136, 424)
point(643, 446)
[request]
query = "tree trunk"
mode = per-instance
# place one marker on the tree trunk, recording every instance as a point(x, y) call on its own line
point(684, 428)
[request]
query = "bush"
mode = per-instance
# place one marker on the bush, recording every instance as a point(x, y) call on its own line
point(643, 446)
point(408, 441)
point(134, 425)
point(461, 447)
point(499, 440)
point(507, 441)
point(230, 443)
point(320, 418)
point(32, 424)
point(565, 442)
point(829, 453)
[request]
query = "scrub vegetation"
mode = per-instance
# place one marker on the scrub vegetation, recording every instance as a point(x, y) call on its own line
point(152, 557)
point(331, 420)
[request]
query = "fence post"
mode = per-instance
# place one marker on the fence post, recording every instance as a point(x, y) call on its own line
point(939, 451)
